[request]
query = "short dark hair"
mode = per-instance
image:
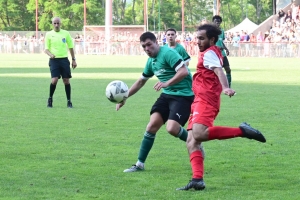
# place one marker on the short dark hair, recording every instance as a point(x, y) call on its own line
point(170, 29)
point(148, 35)
point(217, 17)
point(212, 31)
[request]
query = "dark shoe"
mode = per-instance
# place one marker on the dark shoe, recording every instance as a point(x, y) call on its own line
point(49, 105)
point(251, 133)
point(69, 104)
point(197, 185)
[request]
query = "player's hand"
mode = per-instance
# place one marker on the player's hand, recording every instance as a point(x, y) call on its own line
point(160, 85)
point(227, 52)
point(121, 104)
point(228, 91)
point(52, 56)
point(74, 64)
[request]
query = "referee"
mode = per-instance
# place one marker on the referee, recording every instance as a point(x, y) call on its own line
point(56, 43)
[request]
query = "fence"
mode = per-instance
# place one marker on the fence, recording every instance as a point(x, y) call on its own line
point(26, 42)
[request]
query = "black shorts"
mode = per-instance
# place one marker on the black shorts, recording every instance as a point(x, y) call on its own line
point(60, 67)
point(177, 108)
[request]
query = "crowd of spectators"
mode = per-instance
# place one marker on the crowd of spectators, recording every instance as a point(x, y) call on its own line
point(281, 40)
point(15, 43)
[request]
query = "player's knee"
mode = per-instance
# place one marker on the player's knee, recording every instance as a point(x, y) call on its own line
point(66, 81)
point(200, 134)
point(152, 128)
point(173, 130)
point(54, 81)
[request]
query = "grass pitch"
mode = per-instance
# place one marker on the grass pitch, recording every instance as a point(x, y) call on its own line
point(81, 153)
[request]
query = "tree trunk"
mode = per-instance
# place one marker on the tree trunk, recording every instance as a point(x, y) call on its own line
point(133, 12)
point(6, 14)
point(123, 5)
point(230, 13)
point(258, 10)
point(115, 11)
point(152, 7)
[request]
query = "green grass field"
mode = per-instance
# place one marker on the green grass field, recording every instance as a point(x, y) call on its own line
point(81, 153)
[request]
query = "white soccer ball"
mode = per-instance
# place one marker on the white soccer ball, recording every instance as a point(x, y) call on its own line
point(116, 91)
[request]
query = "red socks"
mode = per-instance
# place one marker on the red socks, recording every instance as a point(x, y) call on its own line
point(215, 132)
point(222, 132)
point(196, 159)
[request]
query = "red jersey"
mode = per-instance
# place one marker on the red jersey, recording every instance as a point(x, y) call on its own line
point(206, 84)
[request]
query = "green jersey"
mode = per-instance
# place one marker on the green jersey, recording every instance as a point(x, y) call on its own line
point(220, 42)
point(58, 43)
point(164, 66)
point(181, 50)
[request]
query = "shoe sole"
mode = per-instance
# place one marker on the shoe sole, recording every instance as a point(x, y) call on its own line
point(130, 171)
point(198, 188)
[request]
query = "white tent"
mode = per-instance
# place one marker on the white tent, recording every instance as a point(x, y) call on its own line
point(245, 25)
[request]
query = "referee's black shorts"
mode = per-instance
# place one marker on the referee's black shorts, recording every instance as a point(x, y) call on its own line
point(171, 107)
point(60, 67)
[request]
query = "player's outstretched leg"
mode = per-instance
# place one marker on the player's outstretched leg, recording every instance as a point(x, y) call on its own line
point(194, 184)
point(251, 133)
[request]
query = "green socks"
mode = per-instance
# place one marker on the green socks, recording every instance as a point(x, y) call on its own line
point(229, 79)
point(148, 142)
point(146, 146)
point(182, 134)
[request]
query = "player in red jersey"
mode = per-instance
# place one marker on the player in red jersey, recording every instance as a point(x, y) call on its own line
point(209, 82)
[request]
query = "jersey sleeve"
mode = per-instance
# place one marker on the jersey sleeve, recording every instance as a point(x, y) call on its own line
point(186, 57)
point(148, 72)
point(211, 60)
point(174, 59)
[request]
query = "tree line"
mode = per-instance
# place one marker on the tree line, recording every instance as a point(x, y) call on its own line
point(20, 15)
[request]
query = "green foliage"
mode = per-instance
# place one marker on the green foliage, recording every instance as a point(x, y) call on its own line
point(162, 14)
point(15, 16)
point(234, 11)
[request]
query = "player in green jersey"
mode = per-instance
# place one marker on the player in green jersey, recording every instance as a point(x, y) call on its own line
point(56, 43)
point(225, 52)
point(174, 103)
point(171, 42)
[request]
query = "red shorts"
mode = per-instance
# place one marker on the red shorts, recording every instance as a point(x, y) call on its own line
point(202, 113)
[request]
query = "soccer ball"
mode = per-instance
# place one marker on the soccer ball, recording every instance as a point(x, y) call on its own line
point(116, 91)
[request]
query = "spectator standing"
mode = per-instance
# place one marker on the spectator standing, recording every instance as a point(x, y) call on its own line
point(41, 43)
point(259, 41)
point(252, 44)
point(281, 16)
point(236, 43)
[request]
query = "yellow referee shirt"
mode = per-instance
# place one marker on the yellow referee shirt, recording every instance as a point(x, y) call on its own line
point(58, 43)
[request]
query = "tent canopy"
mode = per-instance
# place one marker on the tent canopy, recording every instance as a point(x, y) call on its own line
point(246, 25)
